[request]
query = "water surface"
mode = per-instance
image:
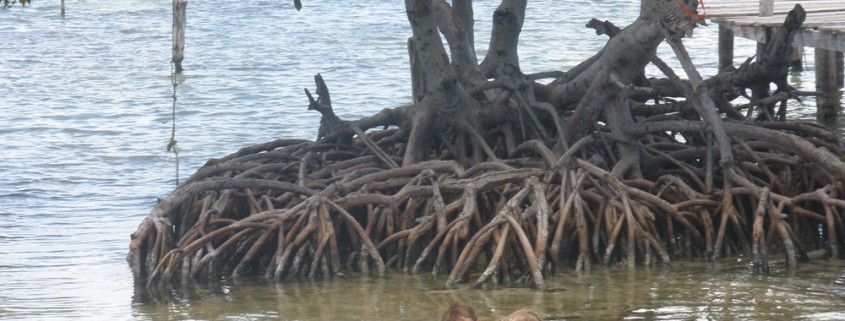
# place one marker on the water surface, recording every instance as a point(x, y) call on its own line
point(85, 116)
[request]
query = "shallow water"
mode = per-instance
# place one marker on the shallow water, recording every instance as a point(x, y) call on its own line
point(85, 116)
point(684, 291)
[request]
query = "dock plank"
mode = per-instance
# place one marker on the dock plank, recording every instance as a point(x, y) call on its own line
point(824, 27)
point(747, 8)
point(813, 20)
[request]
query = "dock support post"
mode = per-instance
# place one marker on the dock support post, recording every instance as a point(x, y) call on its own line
point(840, 70)
point(726, 47)
point(63, 8)
point(797, 63)
point(767, 8)
point(827, 103)
point(179, 22)
point(759, 92)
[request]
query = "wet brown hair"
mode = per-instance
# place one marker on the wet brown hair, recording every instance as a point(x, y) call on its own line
point(457, 311)
point(523, 315)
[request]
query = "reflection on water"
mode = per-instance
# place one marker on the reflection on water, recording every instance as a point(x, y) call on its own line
point(683, 291)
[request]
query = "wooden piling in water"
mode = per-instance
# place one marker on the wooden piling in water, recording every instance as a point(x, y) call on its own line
point(767, 8)
point(726, 47)
point(827, 103)
point(840, 70)
point(797, 63)
point(63, 8)
point(179, 23)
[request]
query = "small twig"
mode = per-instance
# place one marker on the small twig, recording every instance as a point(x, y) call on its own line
point(374, 147)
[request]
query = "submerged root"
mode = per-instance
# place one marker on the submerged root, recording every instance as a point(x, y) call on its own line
point(309, 210)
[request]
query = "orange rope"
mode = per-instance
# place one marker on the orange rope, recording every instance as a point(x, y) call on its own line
point(693, 14)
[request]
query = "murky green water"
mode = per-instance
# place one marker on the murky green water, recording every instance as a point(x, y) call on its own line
point(683, 291)
point(85, 118)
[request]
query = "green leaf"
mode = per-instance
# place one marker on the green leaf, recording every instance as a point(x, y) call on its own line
point(297, 4)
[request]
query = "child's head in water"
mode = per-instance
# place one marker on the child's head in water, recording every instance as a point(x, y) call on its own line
point(459, 312)
point(523, 315)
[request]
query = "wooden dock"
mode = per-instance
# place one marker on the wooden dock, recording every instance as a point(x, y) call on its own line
point(824, 30)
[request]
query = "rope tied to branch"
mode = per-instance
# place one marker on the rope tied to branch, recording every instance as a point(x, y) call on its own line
point(693, 14)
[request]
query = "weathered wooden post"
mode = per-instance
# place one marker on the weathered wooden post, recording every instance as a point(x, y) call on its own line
point(726, 47)
point(840, 69)
point(63, 8)
point(797, 63)
point(767, 8)
point(827, 103)
point(726, 37)
point(179, 22)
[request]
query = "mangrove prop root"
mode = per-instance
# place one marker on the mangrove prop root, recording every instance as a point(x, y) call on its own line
point(435, 206)
point(508, 180)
